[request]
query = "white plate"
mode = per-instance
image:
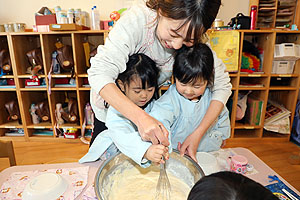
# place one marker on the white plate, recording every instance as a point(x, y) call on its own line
point(47, 186)
point(207, 162)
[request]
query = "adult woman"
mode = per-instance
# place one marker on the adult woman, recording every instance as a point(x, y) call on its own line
point(156, 30)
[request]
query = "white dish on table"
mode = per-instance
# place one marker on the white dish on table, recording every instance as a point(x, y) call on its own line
point(208, 163)
point(47, 186)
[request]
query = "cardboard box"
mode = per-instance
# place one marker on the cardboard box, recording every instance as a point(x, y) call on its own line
point(45, 20)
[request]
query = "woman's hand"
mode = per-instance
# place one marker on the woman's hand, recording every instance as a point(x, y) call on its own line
point(156, 152)
point(152, 130)
point(149, 128)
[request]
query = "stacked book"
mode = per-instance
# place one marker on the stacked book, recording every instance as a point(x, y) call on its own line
point(277, 118)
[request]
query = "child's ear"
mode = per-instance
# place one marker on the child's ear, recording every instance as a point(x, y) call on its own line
point(121, 85)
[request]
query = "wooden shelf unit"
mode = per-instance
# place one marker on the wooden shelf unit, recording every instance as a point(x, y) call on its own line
point(276, 13)
point(285, 95)
point(19, 43)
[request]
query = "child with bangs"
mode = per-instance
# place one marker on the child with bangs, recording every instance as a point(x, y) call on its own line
point(139, 83)
point(182, 107)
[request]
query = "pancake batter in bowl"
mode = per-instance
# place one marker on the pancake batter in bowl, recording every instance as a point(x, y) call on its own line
point(140, 184)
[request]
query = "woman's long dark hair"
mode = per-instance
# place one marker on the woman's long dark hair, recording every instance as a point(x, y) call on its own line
point(200, 13)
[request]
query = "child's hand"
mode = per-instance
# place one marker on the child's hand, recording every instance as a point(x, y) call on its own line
point(155, 153)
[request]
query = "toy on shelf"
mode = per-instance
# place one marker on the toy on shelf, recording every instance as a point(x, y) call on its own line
point(35, 117)
point(250, 63)
point(251, 58)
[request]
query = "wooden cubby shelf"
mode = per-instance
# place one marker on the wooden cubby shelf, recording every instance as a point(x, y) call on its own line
point(268, 85)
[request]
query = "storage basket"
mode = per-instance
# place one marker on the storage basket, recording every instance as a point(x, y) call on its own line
point(283, 67)
point(287, 51)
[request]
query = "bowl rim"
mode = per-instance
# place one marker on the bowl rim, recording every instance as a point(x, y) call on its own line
point(99, 196)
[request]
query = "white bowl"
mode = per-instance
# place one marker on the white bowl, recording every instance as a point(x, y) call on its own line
point(207, 162)
point(47, 186)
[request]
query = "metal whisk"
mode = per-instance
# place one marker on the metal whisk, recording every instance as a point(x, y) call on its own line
point(163, 188)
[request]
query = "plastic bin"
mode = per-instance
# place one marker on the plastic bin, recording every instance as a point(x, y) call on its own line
point(283, 67)
point(287, 51)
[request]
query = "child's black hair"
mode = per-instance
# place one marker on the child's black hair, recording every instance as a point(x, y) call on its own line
point(194, 63)
point(229, 186)
point(144, 67)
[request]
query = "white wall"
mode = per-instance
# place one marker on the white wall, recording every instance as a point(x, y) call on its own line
point(23, 10)
point(230, 8)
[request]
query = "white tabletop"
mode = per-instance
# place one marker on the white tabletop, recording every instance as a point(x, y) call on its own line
point(262, 176)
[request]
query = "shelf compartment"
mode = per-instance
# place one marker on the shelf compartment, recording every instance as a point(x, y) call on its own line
point(40, 132)
point(93, 40)
point(253, 82)
point(83, 83)
point(34, 97)
point(21, 45)
point(284, 82)
point(247, 133)
point(262, 40)
point(5, 122)
point(280, 96)
point(254, 114)
point(84, 98)
point(61, 97)
point(4, 45)
point(49, 47)
point(12, 132)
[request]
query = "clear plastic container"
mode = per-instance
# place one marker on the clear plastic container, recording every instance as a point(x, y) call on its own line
point(283, 67)
point(19, 27)
point(95, 18)
point(9, 28)
point(287, 51)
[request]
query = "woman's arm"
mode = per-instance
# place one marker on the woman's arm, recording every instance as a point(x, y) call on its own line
point(149, 128)
point(125, 39)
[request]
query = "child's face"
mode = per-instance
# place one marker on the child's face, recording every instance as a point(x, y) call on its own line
point(168, 37)
point(135, 92)
point(191, 91)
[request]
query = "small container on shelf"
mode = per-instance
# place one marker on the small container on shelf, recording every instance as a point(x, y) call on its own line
point(287, 51)
point(283, 67)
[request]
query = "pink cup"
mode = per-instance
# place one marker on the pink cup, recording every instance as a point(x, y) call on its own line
point(238, 164)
